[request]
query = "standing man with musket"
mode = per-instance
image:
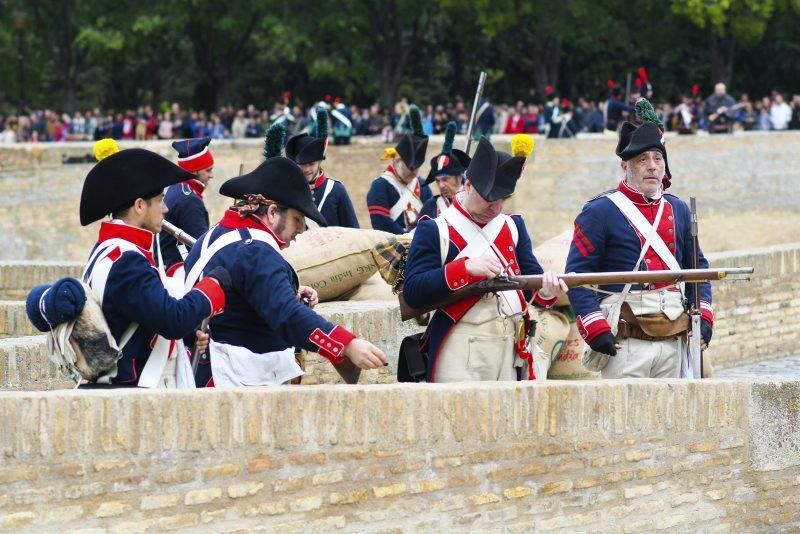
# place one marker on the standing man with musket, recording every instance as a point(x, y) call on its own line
point(396, 196)
point(637, 331)
point(447, 170)
point(482, 337)
point(145, 321)
point(330, 196)
point(268, 312)
point(184, 200)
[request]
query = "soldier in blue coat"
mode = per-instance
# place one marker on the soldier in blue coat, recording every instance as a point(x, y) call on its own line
point(122, 273)
point(268, 312)
point(395, 198)
point(640, 331)
point(447, 170)
point(330, 196)
point(184, 200)
point(478, 338)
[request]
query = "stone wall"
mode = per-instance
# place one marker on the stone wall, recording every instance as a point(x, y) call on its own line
point(745, 185)
point(627, 456)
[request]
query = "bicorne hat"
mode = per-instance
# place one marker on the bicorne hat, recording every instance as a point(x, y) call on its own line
point(412, 146)
point(194, 154)
point(304, 148)
point(450, 161)
point(633, 140)
point(494, 174)
point(119, 179)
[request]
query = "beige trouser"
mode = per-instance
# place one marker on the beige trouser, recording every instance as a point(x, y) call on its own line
point(646, 359)
point(480, 346)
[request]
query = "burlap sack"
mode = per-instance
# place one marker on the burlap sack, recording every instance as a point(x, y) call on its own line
point(334, 260)
point(552, 256)
point(552, 329)
point(567, 365)
point(373, 289)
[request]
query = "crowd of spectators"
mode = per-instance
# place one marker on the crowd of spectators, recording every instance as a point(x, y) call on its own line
point(556, 117)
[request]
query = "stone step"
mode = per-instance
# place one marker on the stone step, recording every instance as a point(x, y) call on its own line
point(18, 277)
point(24, 364)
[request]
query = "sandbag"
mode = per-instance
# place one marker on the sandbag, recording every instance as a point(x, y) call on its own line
point(552, 329)
point(373, 289)
point(552, 256)
point(567, 365)
point(334, 260)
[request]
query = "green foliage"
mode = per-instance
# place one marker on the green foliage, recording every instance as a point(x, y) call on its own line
point(71, 55)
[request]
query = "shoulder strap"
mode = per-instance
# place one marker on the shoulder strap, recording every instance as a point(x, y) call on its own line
point(444, 237)
point(208, 252)
point(329, 185)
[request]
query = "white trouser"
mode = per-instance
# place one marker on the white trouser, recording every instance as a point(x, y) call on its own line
point(233, 366)
point(646, 359)
point(480, 347)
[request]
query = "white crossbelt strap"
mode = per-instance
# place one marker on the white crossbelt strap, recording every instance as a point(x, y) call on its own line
point(407, 195)
point(441, 205)
point(329, 184)
point(632, 213)
point(341, 117)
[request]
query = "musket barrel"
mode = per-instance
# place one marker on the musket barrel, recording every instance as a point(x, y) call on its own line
point(177, 233)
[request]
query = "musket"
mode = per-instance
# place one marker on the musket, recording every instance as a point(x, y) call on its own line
point(177, 233)
point(532, 282)
point(472, 117)
point(694, 342)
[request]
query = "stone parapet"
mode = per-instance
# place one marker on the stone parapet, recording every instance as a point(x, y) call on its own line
point(625, 455)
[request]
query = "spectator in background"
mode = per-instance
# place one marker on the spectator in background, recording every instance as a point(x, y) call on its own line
point(764, 121)
point(780, 113)
point(616, 109)
point(719, 110)
point(8, 135)
point(685, 117)
point(516, 122)
point(254, 129)
point(748, 118)
point(239, 125)
point(794, 124)
point(165, 127)
point(530, 120)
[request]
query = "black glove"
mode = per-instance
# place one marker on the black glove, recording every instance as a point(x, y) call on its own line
point(221, 275)
point(705, 331)
point(605, 343)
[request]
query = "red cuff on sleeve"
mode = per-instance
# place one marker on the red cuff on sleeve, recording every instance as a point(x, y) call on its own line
point(332, 345)
point(211, 289)
point(707, 312)
point(592, 325)
point(456, 276)
point(547, 303)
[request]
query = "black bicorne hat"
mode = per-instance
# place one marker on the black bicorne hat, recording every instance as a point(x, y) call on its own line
point(278, 179)
point(494, 174)
point(412, 147)
point(119, 179)
point(449, 162)
point(633, 140)
point(304, 148)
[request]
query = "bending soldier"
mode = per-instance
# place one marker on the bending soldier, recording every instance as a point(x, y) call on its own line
point(396, 196)
point(268, 312)
point(637, 227)
point(477, 338)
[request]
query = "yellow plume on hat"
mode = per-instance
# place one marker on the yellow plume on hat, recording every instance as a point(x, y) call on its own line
point(389, 153)
point(104, 148)
point(522, 145)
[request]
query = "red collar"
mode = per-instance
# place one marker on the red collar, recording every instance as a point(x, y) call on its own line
point(635, 196)
point(143, 239)
point(464, 212)
point(390, 170)
point(196, 186)
point(233, 221)
point(318, 182)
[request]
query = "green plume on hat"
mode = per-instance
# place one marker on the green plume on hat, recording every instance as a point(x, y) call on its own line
point(416, 121)
point(274, 140)
point(449, 137)
point(646, 112)
point(322, 123)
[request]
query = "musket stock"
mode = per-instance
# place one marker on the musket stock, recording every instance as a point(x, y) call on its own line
point(532, 282)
